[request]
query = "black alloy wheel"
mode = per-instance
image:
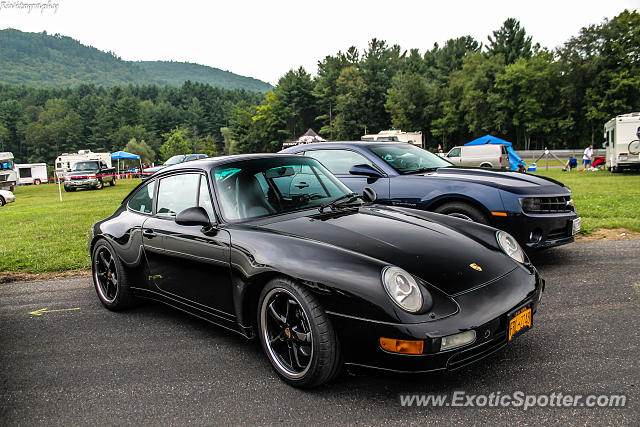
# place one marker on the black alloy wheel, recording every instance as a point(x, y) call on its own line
point(110, 278)
point(106, 275)
point(297, 335)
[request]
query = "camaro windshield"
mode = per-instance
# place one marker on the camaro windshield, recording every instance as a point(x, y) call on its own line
point(175, 160)
point(261, 187)
point(85, 166)
point(407, 158)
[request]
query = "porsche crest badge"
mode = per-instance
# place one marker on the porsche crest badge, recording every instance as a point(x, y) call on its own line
point(475, 266)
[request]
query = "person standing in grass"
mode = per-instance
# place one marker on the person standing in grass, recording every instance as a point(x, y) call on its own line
point(586, 158)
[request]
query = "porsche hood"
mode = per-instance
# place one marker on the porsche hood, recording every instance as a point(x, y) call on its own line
point(434, 252)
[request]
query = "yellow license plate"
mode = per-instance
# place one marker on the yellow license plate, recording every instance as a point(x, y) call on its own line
point(520, 322)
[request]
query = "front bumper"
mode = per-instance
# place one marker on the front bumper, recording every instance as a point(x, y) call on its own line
point(9, 199)
point(538, 231)
point(485, 310)
point(85, 183)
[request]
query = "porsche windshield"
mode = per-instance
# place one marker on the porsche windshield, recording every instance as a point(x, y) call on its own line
point(407, 158)
point(274, 185)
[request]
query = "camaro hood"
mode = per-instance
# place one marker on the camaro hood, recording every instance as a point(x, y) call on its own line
point(429, 250)
point(515, 182)
point(154, 169)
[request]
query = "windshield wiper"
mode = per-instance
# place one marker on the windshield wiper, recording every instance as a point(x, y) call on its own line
point(419, 170)
point(342, 200)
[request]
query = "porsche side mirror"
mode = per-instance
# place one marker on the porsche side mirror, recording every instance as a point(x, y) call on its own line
point(193, 216)
point(366, 170)
point(369, 195)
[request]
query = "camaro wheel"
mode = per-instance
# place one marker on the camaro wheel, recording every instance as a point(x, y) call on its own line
point(2, 202)
point(110, 278)
point(112, 182)
point(464, 211)
point(296, 335)
point(99, 186)
point(69, 189)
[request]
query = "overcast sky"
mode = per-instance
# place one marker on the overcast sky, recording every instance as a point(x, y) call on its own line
point(265, 39)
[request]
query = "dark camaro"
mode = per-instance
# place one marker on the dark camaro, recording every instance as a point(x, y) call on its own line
point(275, 246)
point(537, 211)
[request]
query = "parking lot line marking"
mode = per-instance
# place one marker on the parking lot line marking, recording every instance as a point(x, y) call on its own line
point(46, 310)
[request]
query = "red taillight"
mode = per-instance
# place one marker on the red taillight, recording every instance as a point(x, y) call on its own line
point(500, 159)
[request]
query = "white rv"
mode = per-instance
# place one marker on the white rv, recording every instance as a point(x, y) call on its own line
point(31, 173)
point(622, 142)
point(8, 176)
point(65, 161)
point(397, 135)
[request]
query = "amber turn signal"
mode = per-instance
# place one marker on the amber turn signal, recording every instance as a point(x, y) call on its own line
point(402, 346)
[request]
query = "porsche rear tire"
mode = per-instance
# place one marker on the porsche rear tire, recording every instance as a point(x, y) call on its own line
point(463, 211)
point(110, 278)
point(296, 335)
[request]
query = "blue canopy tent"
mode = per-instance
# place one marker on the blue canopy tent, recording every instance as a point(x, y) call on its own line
point(123, 155)
point(514, 159)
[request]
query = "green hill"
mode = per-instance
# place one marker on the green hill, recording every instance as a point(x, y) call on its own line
point(176, 73)
point(40, 59)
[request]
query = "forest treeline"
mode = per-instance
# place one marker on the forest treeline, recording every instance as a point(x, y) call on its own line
point(508, 86)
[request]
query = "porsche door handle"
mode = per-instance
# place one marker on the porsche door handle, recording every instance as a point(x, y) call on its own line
point(147, 232)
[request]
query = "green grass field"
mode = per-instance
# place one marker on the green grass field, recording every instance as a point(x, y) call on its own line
point(38, 233)
point(603, 199)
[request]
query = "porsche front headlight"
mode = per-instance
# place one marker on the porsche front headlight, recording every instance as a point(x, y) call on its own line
point(402, 288)
point(510, 246)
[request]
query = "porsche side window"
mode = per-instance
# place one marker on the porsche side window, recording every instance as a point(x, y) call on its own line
point(143, 199)
point(177, 193)
point(338, 161)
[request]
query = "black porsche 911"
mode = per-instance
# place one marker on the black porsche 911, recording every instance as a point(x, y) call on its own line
point(275, 246)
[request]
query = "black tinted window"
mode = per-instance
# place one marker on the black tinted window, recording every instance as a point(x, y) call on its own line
point(142, 201)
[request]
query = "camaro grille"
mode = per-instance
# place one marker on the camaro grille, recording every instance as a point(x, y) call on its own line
point(542, 205)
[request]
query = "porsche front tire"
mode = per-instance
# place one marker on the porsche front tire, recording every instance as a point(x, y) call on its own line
point(297, 335)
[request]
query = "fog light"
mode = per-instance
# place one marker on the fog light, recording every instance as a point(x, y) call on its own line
point(535, 236)
point(402, 346)
point(458, 340)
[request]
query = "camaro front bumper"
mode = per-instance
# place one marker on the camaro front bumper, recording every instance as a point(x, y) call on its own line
point(539, 231)
point(485, 310)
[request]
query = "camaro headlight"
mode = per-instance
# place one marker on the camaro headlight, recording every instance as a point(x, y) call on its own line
point(510, 246)
point(402, 288)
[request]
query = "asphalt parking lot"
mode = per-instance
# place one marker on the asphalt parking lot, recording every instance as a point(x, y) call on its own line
point(154, 365)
